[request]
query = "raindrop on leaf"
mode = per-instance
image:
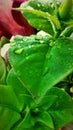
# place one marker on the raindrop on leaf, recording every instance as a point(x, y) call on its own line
point(19, 50)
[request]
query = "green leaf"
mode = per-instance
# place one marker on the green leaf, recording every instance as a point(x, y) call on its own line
point(9, 108)
point(3, 71)
point(65, 9)
point(28, 65)
point(27, 121)
point(23, 96)
point(39, 5)
point(46, 65)
point(46, 119)
point(62, 109)
point(8, 117)
point(47, 101)
point(39, 19)
point(17, 87)
point(58, 64)
point(67, 31)
point(8, 98)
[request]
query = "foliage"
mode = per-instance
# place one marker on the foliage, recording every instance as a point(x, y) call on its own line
point(37, 91)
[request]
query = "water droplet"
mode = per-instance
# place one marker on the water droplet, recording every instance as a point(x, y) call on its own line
point(26, 58)
point(21, 42)
point(19, 46)
point(19, 50)
point(41, 41)
point(38, 5)
point(38, 37)
point(46, 12)
point(63, 89)
point(29, 46)
point(71, 89)
point(70, 49)
point(25, 39)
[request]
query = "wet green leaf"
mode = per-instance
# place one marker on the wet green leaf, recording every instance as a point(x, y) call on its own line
point(58, 64)
point(32, 64)
point(62, 109)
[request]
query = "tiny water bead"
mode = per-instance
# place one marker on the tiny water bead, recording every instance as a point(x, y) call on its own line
point(25, 39)
point(38, 4)
point(38, 37)
point(30, 46)
point(19, 50)
point(41, 41)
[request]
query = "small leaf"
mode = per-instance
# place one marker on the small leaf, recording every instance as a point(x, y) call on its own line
point(67, 31)
point(20, 91)
point(8, 117)
point(46, 119)
point(27, 122)
point(62, 109)
point(8, 98)
point(17, 87)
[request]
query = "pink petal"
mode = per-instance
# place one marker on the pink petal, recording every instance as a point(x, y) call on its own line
point(7, 21)
point(20, 1)
point(20, 19)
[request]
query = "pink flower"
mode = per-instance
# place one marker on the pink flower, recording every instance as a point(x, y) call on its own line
point(12, 22)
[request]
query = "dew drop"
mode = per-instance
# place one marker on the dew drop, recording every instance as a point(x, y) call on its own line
point(29, 46)
point(38, 5)
point(26, 58)
point(24, 39)
point(38, 37)
point(19, 50)
point(41, 41)
point(69, 49)
point(71, 89)
point(21, 42)
point(19, 45)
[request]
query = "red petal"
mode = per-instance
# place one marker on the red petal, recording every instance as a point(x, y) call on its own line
point(20, 19)
point(7, 22)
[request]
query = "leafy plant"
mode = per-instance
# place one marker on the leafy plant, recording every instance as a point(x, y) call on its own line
point(36, 93)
